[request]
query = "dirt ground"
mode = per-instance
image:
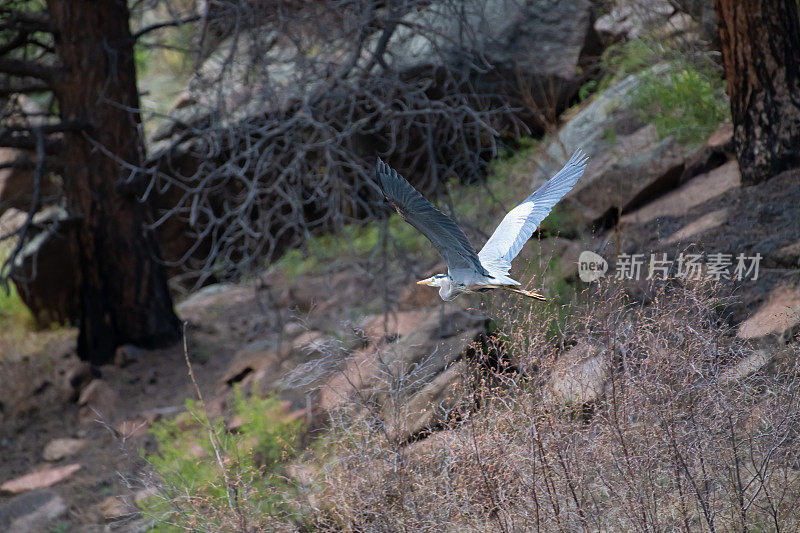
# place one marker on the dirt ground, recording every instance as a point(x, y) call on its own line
point(42, 381)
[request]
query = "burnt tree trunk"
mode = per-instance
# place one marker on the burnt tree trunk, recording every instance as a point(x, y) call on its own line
point(761, 50)
point(122, 284)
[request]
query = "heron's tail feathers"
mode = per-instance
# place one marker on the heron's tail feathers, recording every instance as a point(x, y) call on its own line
point(530, 294)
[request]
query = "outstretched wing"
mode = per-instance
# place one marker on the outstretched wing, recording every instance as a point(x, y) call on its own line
point(520, 223)
point(440, 229)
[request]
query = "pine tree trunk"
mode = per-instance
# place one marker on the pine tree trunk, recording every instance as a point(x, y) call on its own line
point(761, 50)
point(122, 284)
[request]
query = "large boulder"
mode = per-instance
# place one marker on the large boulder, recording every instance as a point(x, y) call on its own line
point(629, 163)
point(535, 50)
point(525, 48)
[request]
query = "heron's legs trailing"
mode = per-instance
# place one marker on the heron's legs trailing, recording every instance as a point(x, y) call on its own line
point(530, 294)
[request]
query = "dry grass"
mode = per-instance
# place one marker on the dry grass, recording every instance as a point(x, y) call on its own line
point(688, 434)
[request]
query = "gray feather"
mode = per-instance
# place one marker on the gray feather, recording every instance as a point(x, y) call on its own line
point(445, 235)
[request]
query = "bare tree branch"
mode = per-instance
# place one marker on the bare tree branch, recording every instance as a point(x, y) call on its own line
point(19, 40)
point(26, 21)
point(288, 113)
point(14, 136)
point(18, 67)
point(23, 88)
point(166, 24)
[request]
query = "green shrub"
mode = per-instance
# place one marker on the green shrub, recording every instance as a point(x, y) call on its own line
point(211, 479)
point(685, 102)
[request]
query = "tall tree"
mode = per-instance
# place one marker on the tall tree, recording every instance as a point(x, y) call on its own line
point(88, 66)
point(761, 50)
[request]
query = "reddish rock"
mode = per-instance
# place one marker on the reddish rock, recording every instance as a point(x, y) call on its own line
point(694, 192)
point(255, 358)
point(39, 480)
point(431, 405)
point(695, 228)
point(395, 325)
point(721, 136)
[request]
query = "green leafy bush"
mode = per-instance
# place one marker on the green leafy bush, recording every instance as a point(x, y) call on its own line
point(685, 102)
point(211, 479)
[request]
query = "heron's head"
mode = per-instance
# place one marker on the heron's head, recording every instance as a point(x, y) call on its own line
point(434, 281)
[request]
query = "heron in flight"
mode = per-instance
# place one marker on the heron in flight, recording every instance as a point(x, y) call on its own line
point(488, 269)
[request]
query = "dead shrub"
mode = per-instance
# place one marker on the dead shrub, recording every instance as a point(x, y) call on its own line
point(694, 429)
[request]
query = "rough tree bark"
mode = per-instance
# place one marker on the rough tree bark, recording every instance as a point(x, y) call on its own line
point(761, 50)
point(123, 286)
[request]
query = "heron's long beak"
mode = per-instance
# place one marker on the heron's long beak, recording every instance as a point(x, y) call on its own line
point(428, 281)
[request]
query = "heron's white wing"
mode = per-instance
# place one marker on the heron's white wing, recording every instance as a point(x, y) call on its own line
point(520, 223)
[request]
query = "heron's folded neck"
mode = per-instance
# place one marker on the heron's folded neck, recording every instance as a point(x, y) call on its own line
point(449, 290)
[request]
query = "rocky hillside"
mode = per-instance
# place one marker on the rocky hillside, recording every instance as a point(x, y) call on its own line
point(330, 392)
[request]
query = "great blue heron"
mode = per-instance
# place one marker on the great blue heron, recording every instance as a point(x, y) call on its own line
point(468, 271)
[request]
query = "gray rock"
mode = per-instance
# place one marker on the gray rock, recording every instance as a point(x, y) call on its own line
point(632, 19)
point(31, 512)
point(578, 376)
point(541, 42)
